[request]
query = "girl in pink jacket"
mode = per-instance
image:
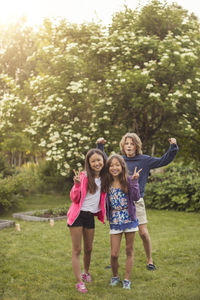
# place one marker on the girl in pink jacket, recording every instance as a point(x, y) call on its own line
point(88, 199)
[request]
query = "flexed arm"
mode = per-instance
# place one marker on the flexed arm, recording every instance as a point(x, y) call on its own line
point(100, 145)
point(157, 162)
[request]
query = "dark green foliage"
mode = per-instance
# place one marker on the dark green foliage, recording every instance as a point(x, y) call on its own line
point(30, 179)
point(50, 179)
point(177, 188)
point(14, 188)
point(5, 169)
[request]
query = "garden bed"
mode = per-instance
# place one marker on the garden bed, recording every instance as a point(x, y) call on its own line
point(42, 215)
point(6, 223)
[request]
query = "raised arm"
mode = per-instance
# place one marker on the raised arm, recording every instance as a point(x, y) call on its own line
point(157, 162)
point(100, 145)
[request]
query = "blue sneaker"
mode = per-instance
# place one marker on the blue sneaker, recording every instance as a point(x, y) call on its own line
point(126, 284)
point(151, 267)
point(114, 281)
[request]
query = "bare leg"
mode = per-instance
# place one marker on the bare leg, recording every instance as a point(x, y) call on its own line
point(129, 236)
point(115, 241)
point(144, 234)
point(88, 237)
point(76, 235)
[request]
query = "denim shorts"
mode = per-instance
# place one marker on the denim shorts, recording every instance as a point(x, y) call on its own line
point(85, 220)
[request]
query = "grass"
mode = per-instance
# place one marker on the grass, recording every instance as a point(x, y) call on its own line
point(37, 202)
point(35, 263)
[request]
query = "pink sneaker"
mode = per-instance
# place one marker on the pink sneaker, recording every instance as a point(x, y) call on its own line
point(86, 277)
point(81, 287)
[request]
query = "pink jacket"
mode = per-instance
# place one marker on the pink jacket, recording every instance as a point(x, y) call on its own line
point(77, 195)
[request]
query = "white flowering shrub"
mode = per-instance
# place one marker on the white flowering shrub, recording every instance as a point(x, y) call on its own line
point(140, 75)
point(62, 121)
point(152, 75)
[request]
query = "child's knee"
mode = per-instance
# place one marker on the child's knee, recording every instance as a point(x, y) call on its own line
point(76, 252)
point(129, 251)
point(144, 234)
point(114, 256)
point(88, 251)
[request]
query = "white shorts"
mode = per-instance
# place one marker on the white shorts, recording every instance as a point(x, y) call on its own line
point(113, 231)
point(141, 211)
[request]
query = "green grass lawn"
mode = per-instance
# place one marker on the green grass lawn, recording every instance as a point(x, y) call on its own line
point(35, 263)
point(37, 202)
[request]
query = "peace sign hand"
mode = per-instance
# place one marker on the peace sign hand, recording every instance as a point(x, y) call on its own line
point(77, 176)
point(136, 174)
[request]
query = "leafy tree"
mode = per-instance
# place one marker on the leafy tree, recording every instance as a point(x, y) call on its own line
point(18, 42)
point(79, 82)
point(63, 92)
point(151, 76)
point(14, 115)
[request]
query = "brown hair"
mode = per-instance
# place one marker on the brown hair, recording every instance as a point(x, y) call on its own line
point(123, 176)
point(92, 187)
point(136, 141)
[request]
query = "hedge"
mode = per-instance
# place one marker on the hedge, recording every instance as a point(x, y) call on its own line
point(177, 187)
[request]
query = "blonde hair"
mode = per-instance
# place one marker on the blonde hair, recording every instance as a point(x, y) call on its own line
point(136, 140)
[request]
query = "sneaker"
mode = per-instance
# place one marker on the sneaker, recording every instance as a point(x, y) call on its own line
point(151, 267)
point(126, 284)
point(81, 287)
point(86, 277)
point(114, 281)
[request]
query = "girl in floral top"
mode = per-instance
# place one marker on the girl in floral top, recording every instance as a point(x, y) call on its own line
point(122, 191)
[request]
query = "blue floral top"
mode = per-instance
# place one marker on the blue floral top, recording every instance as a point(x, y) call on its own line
point(119, 217)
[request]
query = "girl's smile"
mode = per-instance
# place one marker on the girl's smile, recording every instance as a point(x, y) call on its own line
point(115, 168)
point(96, 163)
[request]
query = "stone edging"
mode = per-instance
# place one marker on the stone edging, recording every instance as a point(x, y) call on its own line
point(6, 223)
point(28, 216)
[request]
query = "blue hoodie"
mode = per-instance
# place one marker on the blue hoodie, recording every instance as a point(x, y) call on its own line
point(146, 163)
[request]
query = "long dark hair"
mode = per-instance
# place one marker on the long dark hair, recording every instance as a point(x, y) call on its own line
point(123, 176)
point(92, 187)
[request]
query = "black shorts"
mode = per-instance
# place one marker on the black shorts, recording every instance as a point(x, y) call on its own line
point(85, 220)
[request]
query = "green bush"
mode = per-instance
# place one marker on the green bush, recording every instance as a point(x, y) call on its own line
point(50, 179)
point(14, 188)
point(6, 193)
point(5, 169)
point(11, 192)
point(177, 188)
point(29, 179)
